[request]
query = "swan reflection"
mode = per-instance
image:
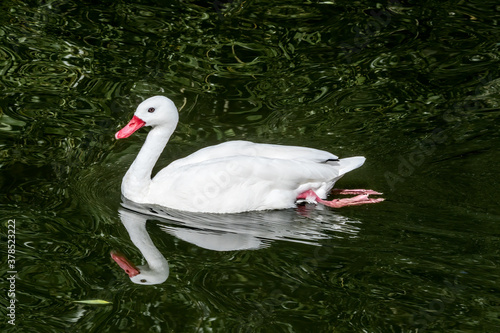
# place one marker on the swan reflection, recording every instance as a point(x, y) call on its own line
point(223, 232)
point(156, 270)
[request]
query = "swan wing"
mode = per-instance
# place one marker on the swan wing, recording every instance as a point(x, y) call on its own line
point(246, 148)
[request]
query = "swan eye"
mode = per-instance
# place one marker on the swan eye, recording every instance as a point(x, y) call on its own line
point(144, 280)
point(151, 110)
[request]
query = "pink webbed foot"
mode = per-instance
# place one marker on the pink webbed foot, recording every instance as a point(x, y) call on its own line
point(357, 191)
point(354, 201)
point(360, 199)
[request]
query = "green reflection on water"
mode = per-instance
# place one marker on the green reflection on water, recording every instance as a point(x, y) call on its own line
point(377, 79)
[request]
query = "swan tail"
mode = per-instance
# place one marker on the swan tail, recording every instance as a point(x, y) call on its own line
point(348, 164)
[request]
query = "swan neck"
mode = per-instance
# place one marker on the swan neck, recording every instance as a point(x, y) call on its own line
point(153, 256)
point(135, 185)
point(141, 239)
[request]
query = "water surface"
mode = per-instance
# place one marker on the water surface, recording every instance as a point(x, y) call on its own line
point(413, 86)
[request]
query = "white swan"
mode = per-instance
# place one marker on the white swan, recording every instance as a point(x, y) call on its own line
point(231, 177)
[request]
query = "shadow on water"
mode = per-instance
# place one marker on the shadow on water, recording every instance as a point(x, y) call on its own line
point(251, 230)
point(223, 232)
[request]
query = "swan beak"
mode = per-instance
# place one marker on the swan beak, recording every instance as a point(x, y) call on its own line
point(130, 128)
point(126, 265)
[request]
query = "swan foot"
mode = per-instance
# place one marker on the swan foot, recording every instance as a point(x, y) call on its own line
point(360, 199)
point(357, 191)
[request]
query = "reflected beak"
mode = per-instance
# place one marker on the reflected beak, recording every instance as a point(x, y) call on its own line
point(130, 128)
point(126, 265)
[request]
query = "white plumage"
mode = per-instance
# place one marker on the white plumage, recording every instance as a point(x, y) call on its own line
point(231, 177)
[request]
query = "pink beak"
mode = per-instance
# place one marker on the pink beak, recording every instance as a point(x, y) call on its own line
point(130, 128)
point(126, 265)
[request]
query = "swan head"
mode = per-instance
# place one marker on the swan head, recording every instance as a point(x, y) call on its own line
point(149, 277)
point(141, 274)
point(156, 111)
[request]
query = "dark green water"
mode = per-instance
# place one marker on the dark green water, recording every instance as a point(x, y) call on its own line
point(413, 86)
